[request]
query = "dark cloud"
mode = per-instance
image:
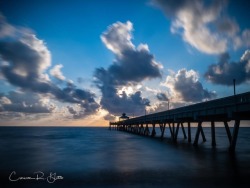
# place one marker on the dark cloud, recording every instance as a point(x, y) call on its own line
point(110, 117)
point(23, 70)
point(24, 61)
point(72, 110)
point(113, 102)
point(185, 84)
point(224, 71)
point(77, 114)
point(16, 116)
point(24, 103)
point(134, 66)
point(25, 65)
point(131, 65)
point(162, 97)
point(84, 109)
point(228, 26)
point(130, 104)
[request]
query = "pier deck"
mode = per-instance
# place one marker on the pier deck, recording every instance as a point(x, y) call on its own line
point(234, 108)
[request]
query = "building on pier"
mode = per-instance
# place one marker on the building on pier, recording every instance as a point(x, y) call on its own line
point(123, 117)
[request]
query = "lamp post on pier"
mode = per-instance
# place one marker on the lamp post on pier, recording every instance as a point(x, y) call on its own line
point(234, 86)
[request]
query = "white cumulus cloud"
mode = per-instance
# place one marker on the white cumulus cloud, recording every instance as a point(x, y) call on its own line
point(57, 73)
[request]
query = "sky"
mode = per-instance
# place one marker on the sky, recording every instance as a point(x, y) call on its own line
point(84, 63)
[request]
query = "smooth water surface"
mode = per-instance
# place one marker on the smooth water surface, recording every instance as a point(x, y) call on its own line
point(97, 157)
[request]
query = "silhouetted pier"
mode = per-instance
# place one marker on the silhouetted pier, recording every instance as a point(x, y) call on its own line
point(234, 108)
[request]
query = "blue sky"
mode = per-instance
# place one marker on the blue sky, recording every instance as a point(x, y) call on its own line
point(86, 62)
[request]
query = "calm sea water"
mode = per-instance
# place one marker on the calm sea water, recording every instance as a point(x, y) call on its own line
point(97, 157)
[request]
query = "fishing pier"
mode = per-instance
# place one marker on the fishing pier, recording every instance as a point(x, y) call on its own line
point(233, 108)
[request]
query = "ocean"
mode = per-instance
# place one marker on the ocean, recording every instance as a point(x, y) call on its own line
point(97, 157)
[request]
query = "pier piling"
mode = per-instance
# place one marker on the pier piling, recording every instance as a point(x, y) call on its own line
point(213, 133)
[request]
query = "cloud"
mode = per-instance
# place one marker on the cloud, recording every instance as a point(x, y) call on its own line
point(118, 37)
point(114, 102)
point(224, 71)
point(246, 37)
point(245, 56)
point(110, 117)
point(185, 86)
point(24, 60)
point(130, 104)
point(227, 26)
point(5, 28)
point(203, 25)
point(77, 113)
point(24, 103)
point(163, 106)
point(131, 66)
point(27, 59)
point(72, 110)
point(56, 72)
point(162, 97)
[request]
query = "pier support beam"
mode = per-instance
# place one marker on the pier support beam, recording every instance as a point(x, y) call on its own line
point(163, 130)
point(137, 128)
point(173, 128)
point(199, 130)
point(141, 130)
point(183, 130)
point(176, 131)
point(228, 131)
point(153, 133)
point(203, 135)
point(197, 134)
point(146, 131)
point(189, 132)
point(234, 136)
point(171, 131)
point(160, 125)
point(213, 133)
